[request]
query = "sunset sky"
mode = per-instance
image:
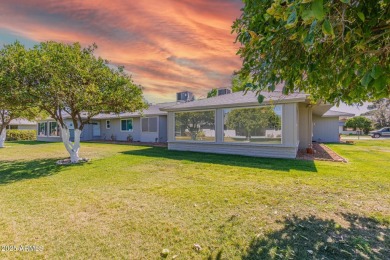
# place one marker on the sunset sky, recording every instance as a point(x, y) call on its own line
point(167, 45)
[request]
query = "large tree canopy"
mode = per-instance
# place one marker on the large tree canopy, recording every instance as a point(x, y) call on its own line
point(359, 123)
point(380, 112)
point(13, 103)
point(336, 50)
point(70, 81)
point(251, 119)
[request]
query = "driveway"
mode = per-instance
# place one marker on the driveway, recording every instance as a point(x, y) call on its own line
point(354, 137)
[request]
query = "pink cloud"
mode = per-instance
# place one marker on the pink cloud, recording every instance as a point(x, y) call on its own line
point(168, 46)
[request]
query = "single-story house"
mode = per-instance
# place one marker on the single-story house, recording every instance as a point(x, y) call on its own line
point(22, 124)
point(329, 126)
point(237, 124)
point(149, 125)
point(232, 123)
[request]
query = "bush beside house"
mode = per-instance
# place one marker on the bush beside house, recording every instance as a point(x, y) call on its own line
point(21, 135)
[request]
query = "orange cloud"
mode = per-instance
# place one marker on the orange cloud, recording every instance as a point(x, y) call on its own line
point(167, 46)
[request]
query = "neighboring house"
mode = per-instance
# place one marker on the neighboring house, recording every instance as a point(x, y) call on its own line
point(148, 126)
point(237, 124)
point(22, 124)
point(329, 126)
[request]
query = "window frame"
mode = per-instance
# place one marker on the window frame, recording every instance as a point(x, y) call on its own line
point(49, 129)
point(132, 125)
point(149, 117)
point(252, 143)
point(46, 129)
point(108, 124)
point(195, 111)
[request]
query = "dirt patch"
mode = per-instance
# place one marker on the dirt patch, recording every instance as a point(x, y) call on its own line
point(321, 152)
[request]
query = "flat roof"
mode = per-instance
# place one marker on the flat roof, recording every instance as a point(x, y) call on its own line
point(332, 113)
point(238, 99)
point(21, 121)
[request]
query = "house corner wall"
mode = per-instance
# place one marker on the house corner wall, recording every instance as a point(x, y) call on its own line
point(305, 125)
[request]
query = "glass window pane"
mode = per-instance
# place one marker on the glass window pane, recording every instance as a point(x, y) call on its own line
point(53, 129)
point(153, 124)
point(145, 124)
point(195, 126)
point(253, 125)
point(129, 125)
point(42, 129)
point(123, 125)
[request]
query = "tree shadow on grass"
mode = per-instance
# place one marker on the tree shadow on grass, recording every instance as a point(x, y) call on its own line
point(13, 171)
point(9, 143)
point(230, 160)
point(315, 238)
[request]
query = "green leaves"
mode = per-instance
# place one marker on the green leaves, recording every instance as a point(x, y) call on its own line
point(329, 49)
point(292, 19)
point(361, 16)
point(366, 79)
point(260, 98)
point(376, 72)
point(317, 9)
point(310, 36)
point(327, 28)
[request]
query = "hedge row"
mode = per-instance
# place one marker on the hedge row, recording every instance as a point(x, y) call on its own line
point(21, 135)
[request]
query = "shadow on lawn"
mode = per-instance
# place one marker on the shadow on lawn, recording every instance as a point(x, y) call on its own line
point(314, 238)
point(25, 142)
point(231, 160)
point(12, 171)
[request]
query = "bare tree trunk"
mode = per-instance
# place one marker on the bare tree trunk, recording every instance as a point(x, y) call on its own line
point(3, 135)
point(72, 148)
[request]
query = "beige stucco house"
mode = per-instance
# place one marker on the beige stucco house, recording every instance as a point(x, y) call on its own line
point(231, 123)
point(237, 124)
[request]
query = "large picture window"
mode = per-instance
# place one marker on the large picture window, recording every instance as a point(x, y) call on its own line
point(261, 125)
point(54, 129)
point(42, 129)
point(149, 124)
point(127, 125)
point(195, 126)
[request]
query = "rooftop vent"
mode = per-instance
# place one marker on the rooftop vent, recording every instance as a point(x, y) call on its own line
point(224, 91)
point(185, 96)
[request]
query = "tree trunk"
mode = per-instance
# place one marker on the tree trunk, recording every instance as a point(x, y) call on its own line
point(3, 135)
point(72, 148)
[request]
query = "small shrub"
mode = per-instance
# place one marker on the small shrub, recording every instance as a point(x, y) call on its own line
point(21, 135)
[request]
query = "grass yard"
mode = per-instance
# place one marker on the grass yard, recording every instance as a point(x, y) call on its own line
point(134, 201)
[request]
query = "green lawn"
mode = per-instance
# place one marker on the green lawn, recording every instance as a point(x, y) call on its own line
point(134, 201)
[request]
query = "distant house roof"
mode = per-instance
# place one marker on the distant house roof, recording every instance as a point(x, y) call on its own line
point(21, 121)
point(332, 113)
point(238, 99)
point(152, 110)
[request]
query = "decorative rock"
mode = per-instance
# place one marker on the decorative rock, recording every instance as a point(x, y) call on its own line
point(164, 253)
point(197, 247)
point(68, 162)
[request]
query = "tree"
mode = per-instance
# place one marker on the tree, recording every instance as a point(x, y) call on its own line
point(212, 93)
point(359, 123)
point(380, 112)
point(193, 122)
point(239, 83)
point(252, 119)
point(68, 80)
point(334, 50)
point(13, 104)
